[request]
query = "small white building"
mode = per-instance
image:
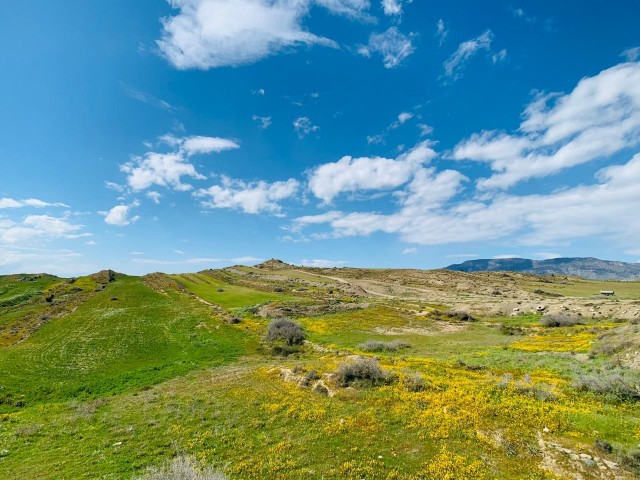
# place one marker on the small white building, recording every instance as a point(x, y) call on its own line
point(607, 293)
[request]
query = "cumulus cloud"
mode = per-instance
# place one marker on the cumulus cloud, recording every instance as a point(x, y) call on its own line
point(426, 216)
point(599, 118)
point(33, 228)
point(392, 45)
point(201, 145)
point(215, 33)
point(303, 127)
point(119, 216)
point(167, 169)
point(466, 51)
point(392, 7)
point(29, 202)
point(367, 173)
point(249, 197)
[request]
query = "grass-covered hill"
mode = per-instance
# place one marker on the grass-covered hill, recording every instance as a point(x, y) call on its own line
point(379, 374)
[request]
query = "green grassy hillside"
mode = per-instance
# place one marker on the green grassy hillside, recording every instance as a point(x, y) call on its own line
point(137, 371)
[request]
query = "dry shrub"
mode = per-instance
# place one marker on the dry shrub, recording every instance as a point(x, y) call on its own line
point(285, 331)
point(381, 346)
point(361, 371)
point(560, 320)
point(181, 468)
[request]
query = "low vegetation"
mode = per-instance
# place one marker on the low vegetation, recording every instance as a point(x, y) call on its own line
point(175, 379)
point(382, 346)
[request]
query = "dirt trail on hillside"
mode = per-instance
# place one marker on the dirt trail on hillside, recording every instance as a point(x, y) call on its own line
point(484, 294)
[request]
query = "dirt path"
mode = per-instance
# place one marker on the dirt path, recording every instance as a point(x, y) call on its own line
point(343, 281)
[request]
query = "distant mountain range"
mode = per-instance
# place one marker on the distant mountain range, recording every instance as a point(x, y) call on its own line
point(590, 268)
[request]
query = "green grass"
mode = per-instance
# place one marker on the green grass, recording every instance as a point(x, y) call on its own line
point(577, 287)
point(232, 296)
point(109, 346)
point(120, 385)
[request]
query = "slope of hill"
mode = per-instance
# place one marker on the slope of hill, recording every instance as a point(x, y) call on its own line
point(589, 268)
point(109, 375)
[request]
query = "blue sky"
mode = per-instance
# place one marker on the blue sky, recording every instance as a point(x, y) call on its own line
point(191, 134)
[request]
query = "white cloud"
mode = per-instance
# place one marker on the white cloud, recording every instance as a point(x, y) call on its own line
point(163, 169)
point(33, 228)
point(154, 196)
point(425, 129)
point(631, 54)
point(258, 91)
point(355, 9)
point(195, 261)
point(322, 263)
point(367, 173)
point(28, 259)
point(427, 217)
point(392, 7)
point(146, 98)
point(441, 32)
point(199, 145)
point(167, 169)
point(506, 256)
point(250, 197)
point(119, 216)
point(465, 52)
point(499, 57)
point(598, 119)
point(410, 250)
point(303, 127)
point(375, 139)
point(263, 122)
point(403, 118)
point(214, 33)
point(29, 202)
point(393, 46)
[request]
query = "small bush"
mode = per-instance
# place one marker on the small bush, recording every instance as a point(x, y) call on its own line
point(603, 446)
point(311, 376)
point(510, 330)
point(559, 320)
point(616, 384)
point(285, 331)
point(361, 371)
point(233, 320)
point(378, 346)
point(631, 460)
point(181, 468)
point(457, 315)
point(414, 382)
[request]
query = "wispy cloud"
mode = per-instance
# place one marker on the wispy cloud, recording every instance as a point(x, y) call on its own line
point(146, 98)
point(466, 51)
point(392, 45)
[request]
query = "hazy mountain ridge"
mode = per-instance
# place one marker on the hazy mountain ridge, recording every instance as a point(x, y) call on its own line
point(589, 267)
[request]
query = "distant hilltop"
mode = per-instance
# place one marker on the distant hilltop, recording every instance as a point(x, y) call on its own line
point(589, 268)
